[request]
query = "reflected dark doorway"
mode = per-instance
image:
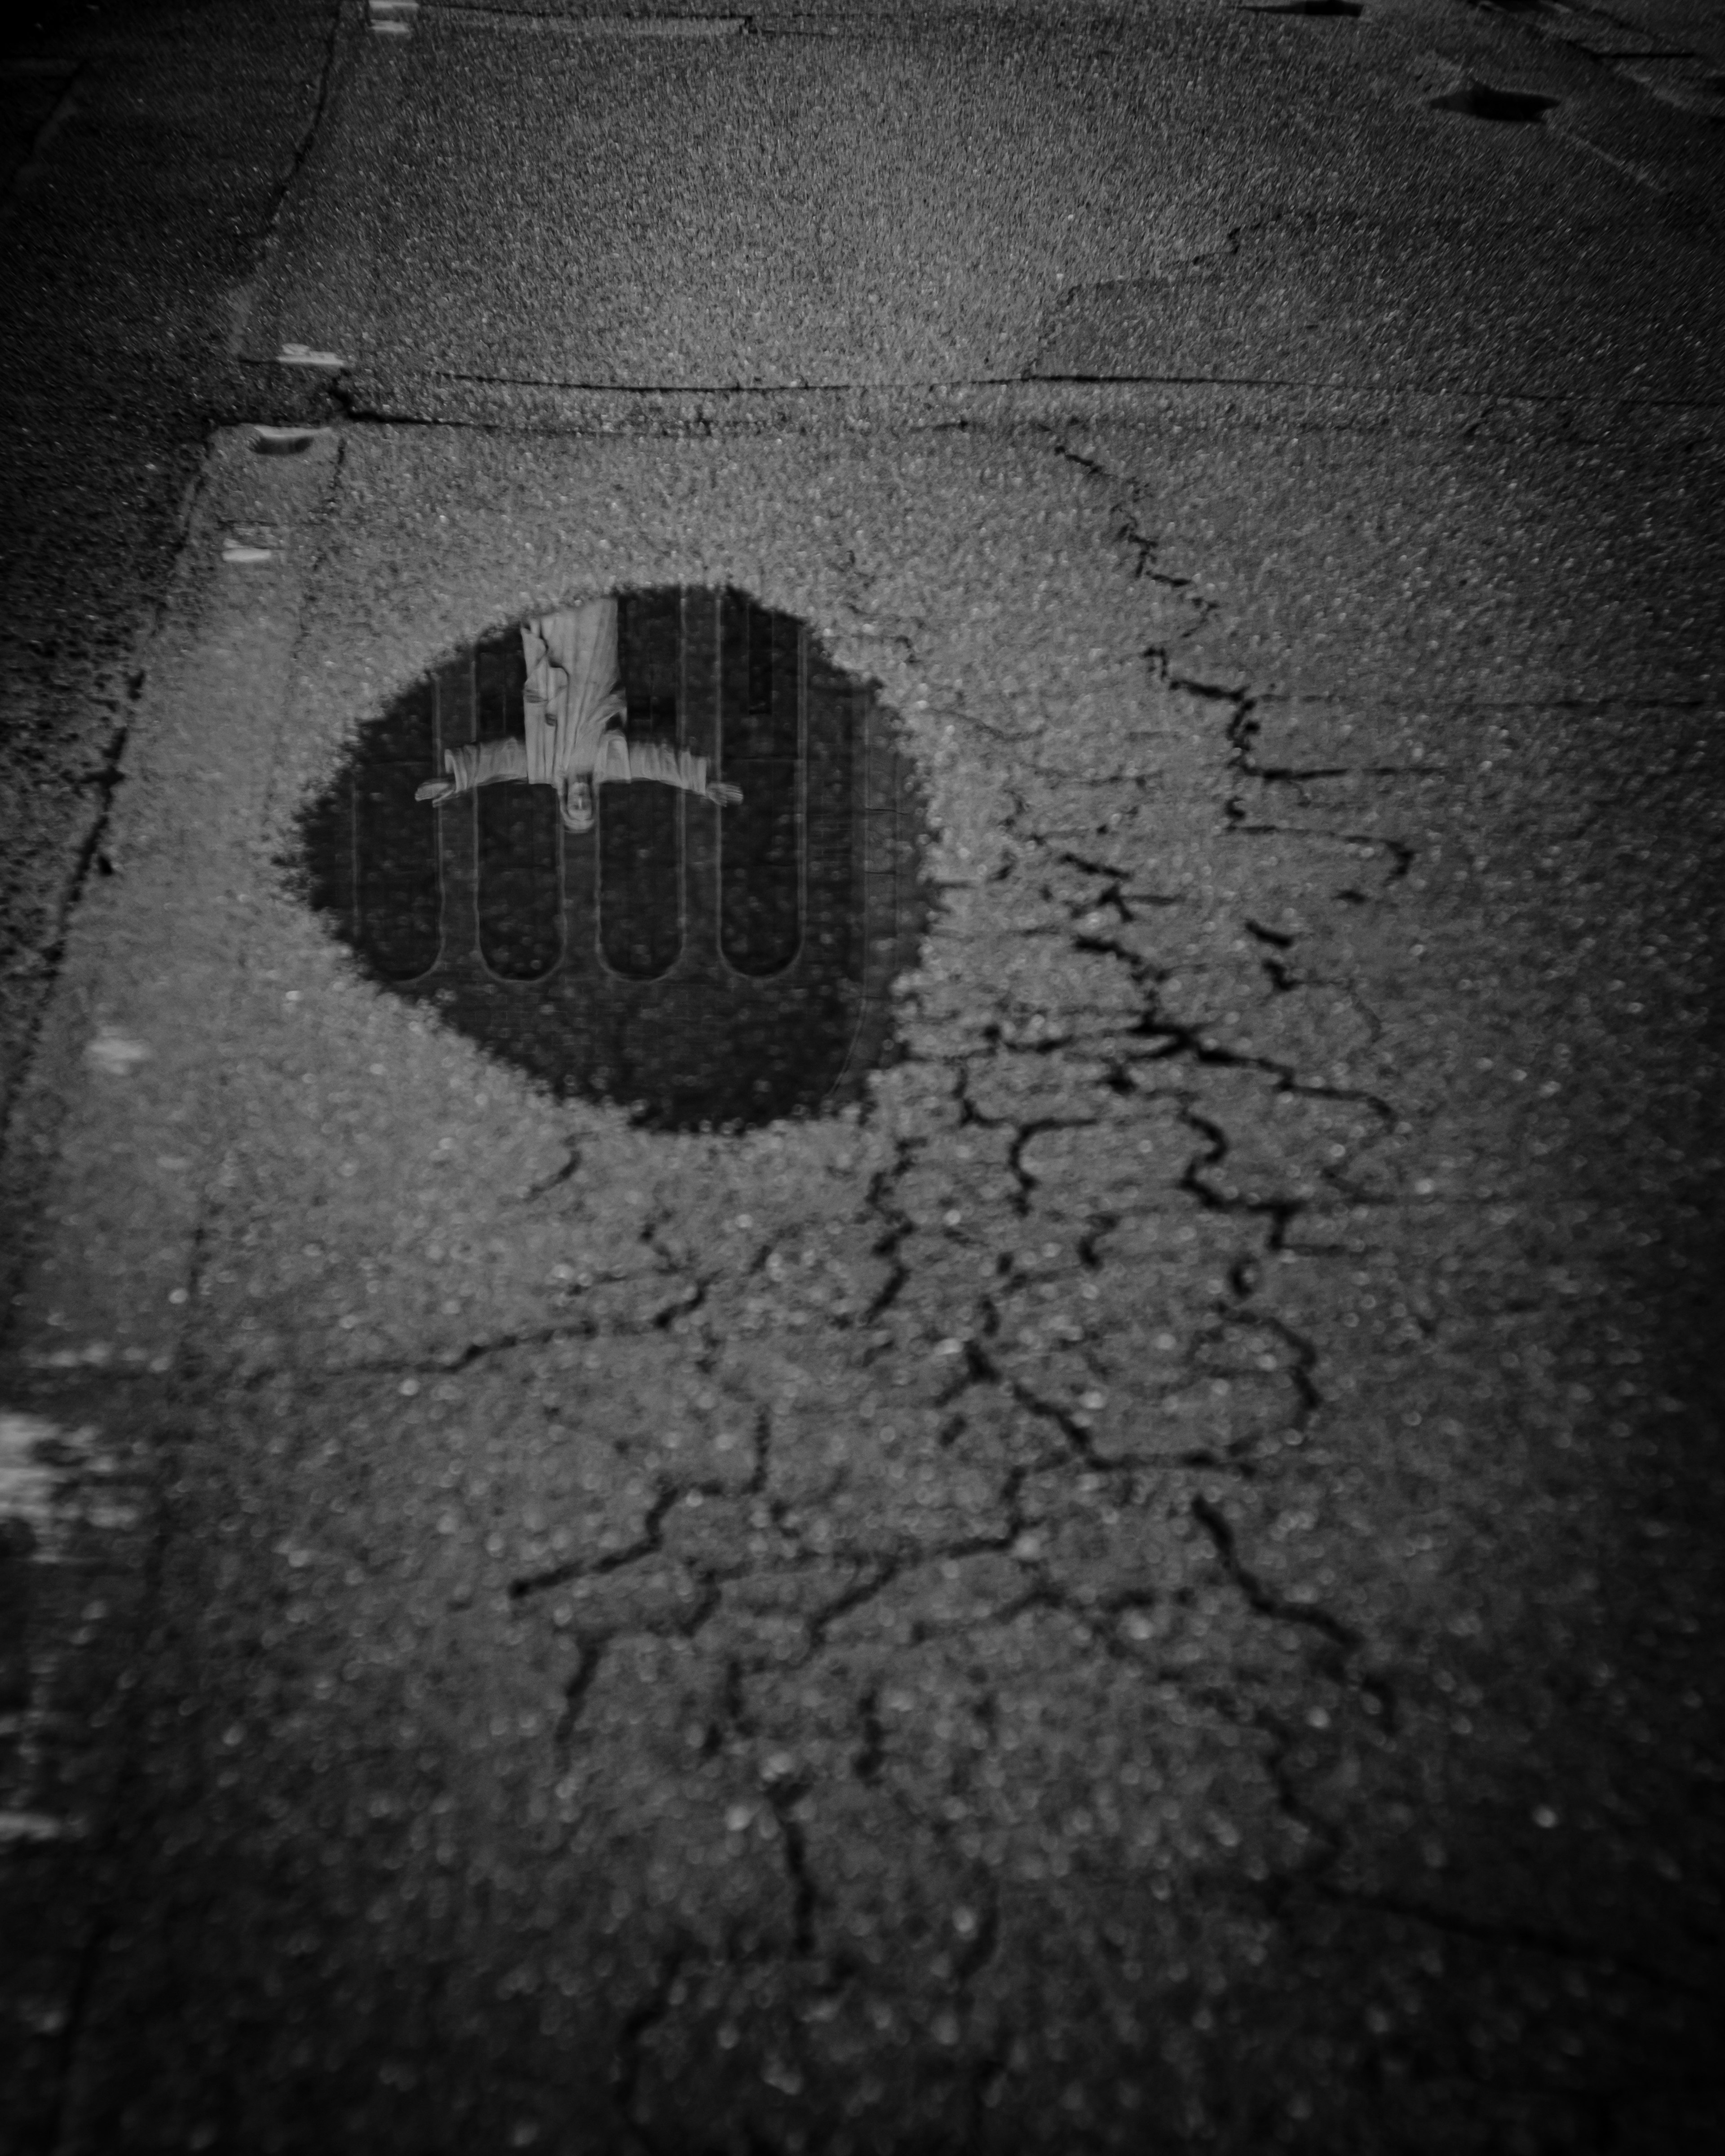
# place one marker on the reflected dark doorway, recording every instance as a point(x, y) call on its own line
point(655, 849)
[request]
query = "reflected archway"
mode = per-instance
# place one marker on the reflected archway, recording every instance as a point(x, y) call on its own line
point(655, 849)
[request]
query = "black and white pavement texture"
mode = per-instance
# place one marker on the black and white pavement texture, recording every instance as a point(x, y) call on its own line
point(1151, 1585)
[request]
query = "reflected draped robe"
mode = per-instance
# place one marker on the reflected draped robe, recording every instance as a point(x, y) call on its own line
point(574, 708)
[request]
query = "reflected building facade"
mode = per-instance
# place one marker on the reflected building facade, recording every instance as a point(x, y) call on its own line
point(707, 964)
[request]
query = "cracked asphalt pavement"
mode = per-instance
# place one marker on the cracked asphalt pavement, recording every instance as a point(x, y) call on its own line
point(1152, 1583)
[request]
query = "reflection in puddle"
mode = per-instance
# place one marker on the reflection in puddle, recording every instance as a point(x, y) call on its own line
point(655, 848)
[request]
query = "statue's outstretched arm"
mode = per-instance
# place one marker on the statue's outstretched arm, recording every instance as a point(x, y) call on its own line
point(480, 763)
point(671, 766)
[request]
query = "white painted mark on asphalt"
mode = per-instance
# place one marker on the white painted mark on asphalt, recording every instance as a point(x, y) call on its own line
point(116, 1053)
point(20, 1826)
point(55, 1485)
point(47, 1479)
point(306, 354)
point(29, 1478)
point(285, 441)
point(599, 26)
point(249, 544)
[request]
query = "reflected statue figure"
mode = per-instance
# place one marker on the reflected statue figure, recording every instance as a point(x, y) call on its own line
point(573, 706)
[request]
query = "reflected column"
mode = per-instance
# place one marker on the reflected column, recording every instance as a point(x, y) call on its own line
point(392, 884)
point(698, 732)
point(456, 824)
point(640, 827)
point(520, 871)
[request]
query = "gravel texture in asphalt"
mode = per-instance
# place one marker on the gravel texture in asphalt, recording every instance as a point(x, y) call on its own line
point(1149, 1584)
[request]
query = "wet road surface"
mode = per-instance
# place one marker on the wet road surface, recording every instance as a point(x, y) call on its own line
point(1141, 1573)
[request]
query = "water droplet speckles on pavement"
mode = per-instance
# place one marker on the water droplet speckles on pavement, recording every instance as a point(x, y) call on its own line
point(655, 849)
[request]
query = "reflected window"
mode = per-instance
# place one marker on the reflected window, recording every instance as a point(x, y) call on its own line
point(519, 881)
point(392, 863)
point(762, 744)
point(640, 829)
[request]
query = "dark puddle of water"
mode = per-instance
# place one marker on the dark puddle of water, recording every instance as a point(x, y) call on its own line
point(713, 963)
point(1479, 101)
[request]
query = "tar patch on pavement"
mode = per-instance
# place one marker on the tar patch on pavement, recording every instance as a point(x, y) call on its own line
point(655, 849)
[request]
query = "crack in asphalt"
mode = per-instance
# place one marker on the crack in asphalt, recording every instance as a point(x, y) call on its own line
point(897, 1227)
point(1140, 1058)
point(649, 1543)
point(1339, 1644)
point(1175, 1038)
point(632, 2034)
point(783, 1795)
point(1141, 546)
point(90, 860)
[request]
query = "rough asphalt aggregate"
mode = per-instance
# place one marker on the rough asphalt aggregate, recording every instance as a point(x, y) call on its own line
point(1151, 1583)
